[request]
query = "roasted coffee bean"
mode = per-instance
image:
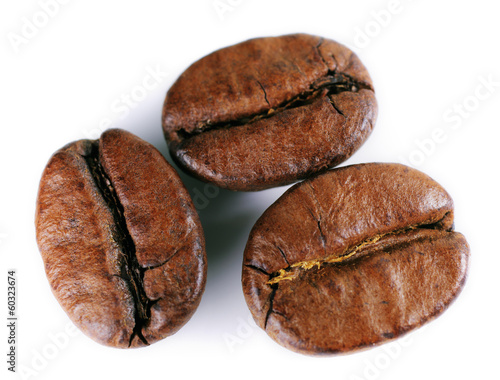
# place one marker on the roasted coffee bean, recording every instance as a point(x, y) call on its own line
point(269, 111)
point(352, 258)
point(122, 244)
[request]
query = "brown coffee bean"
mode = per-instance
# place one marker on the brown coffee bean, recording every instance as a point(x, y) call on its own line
point(122, 244)
point(353, 258)
point(269, 111)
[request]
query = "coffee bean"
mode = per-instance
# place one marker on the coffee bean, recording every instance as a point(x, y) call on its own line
point(269, 111)
point(353, 258)
point(122, 244)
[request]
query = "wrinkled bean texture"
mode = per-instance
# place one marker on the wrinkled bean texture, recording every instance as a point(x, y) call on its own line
point(269, 111)
point(122, 244)
point(353, 258)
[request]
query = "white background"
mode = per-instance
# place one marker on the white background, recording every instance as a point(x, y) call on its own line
point(66, 79)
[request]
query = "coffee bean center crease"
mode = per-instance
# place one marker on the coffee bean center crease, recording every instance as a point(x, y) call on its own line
point(130, 270)
point(288, 273)
point(332, 83)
